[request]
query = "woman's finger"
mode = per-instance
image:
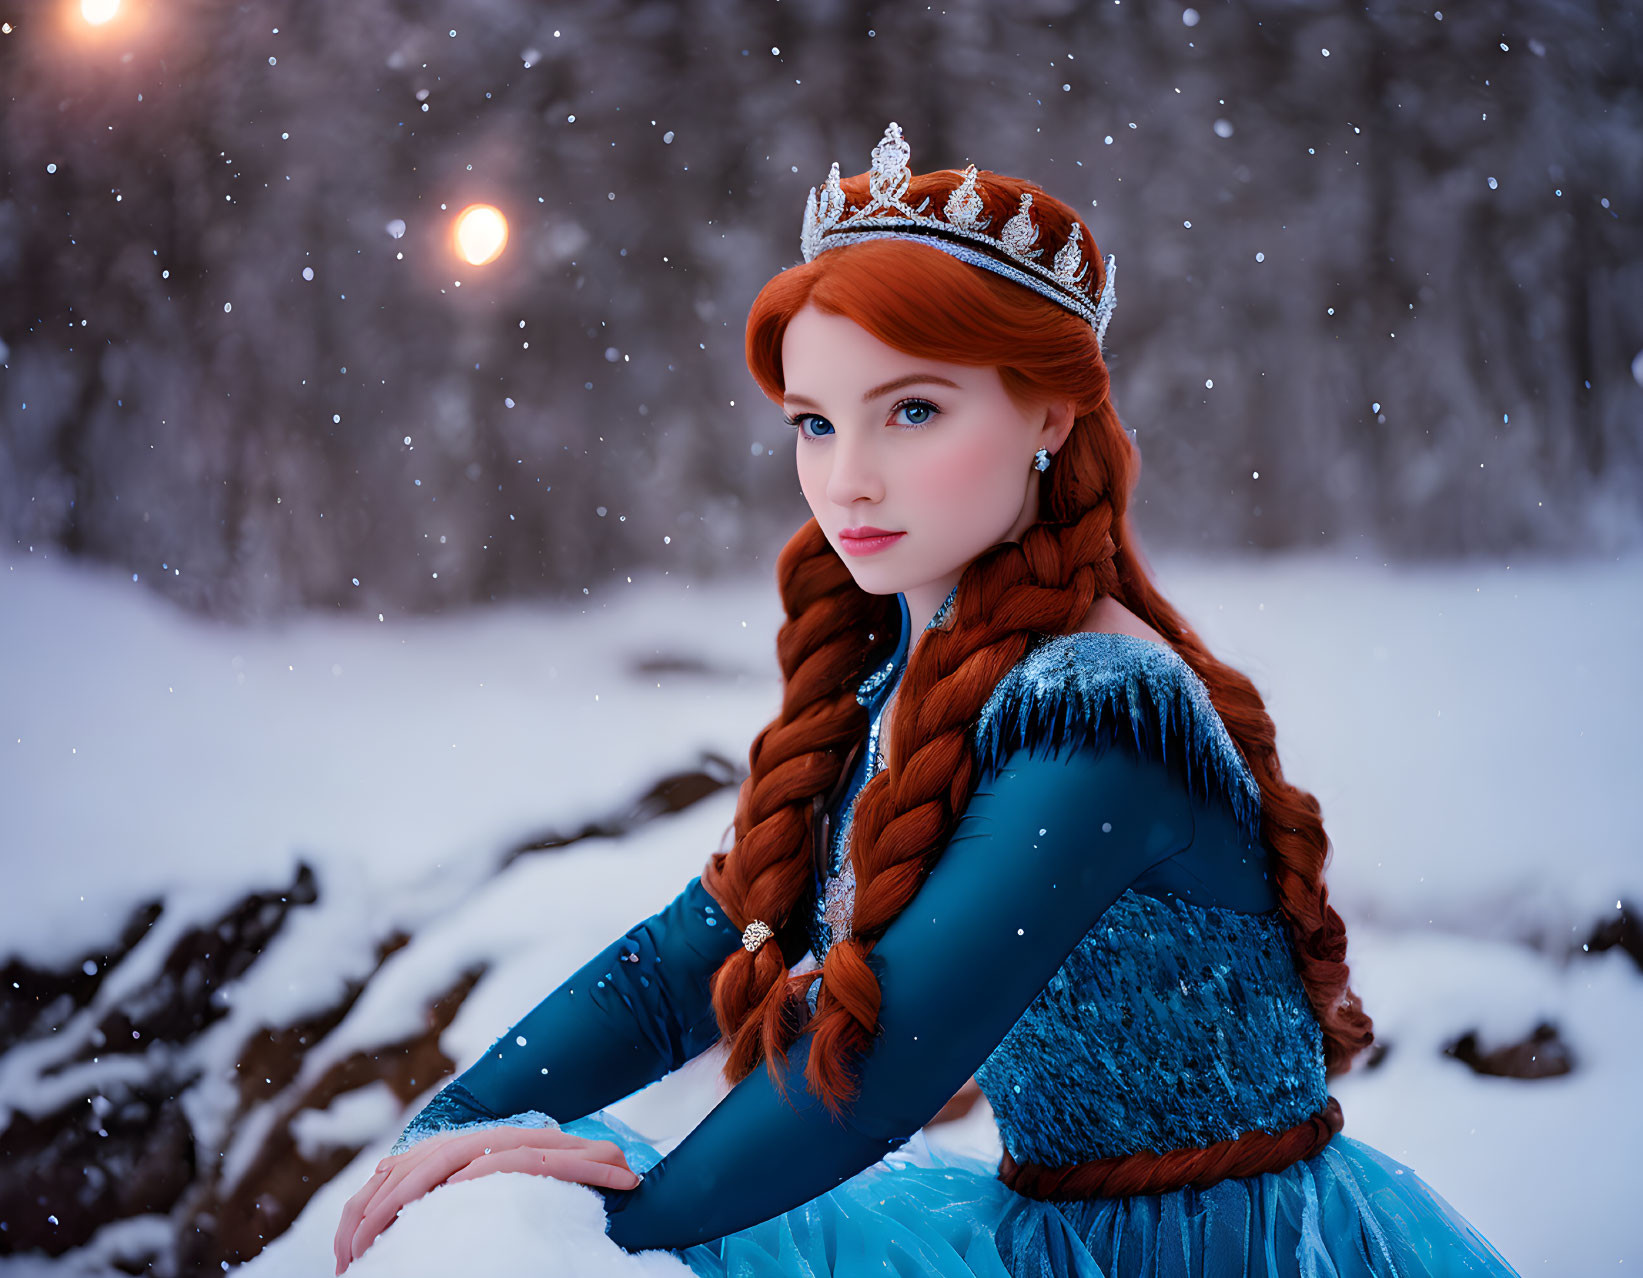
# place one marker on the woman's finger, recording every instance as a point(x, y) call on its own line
point(559, 1164)
point(454, 1148)
point(404, 1186)
point(349, 1221)
point(421, 1168)
point(433, 1161)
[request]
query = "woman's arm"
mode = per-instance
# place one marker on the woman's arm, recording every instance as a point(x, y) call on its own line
point(636, 1010)
point(1042, 850)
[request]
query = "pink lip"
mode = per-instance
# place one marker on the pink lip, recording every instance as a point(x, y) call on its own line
point(869, 545)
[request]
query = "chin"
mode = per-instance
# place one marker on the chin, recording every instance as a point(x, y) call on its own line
point(873, 580)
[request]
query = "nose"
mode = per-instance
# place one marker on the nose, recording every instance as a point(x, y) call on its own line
point(855, 474)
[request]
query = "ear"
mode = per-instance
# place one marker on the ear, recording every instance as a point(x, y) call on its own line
point(1058, 424)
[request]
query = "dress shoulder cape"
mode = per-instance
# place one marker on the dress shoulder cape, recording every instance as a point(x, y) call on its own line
point(1092, 688)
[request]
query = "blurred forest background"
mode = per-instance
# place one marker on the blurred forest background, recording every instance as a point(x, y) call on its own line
point(1379, 336)
point(1386, 256)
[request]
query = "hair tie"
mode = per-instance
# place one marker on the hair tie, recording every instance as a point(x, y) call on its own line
point(756, 934)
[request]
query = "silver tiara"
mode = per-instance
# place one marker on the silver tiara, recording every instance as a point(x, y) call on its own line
point(959, 232)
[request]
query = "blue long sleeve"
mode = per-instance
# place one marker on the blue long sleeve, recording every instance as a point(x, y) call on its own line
point(636, 1010)
point(1041, 851)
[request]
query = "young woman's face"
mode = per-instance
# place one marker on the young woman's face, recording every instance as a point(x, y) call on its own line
point(936, 453)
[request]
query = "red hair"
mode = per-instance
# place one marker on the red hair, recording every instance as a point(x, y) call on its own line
point(928, 304)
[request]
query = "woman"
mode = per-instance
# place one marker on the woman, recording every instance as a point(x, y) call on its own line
point(1047, 844)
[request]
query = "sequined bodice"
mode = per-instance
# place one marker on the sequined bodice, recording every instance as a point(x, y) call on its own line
point(1170, 1025)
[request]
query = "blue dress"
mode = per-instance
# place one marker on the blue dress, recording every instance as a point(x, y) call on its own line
point(1099, 945)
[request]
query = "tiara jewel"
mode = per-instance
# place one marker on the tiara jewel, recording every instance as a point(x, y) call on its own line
point(960, 230)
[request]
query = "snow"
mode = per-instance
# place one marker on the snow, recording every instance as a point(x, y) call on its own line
point(354, 1118)
point(1468, 729)
point(502, 1224)
point(175, 756)
point(1521, 1160)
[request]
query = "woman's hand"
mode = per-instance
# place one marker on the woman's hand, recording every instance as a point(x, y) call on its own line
point(464, 1155)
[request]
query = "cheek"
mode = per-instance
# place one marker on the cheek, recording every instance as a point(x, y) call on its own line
point(964, 478)
point(811, 479)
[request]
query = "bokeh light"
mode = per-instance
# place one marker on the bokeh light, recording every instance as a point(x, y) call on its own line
point(481, 234)
point(97, 12)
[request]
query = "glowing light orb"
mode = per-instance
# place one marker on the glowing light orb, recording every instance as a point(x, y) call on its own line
point(97, 12)
point(481, 234)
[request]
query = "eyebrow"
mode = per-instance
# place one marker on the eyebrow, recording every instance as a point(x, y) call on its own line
point(910, 380)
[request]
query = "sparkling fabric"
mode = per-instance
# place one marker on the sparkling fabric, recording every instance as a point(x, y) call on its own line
point(455, 1108)
point(1170, 1026)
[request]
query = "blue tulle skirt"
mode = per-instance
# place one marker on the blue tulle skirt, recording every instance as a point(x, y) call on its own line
point(1347, 1211)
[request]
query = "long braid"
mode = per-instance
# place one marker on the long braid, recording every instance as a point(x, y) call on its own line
point(822, 651)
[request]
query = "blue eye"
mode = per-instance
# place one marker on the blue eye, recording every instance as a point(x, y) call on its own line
point(917, 405)
point(798, 421)
point(907, 405)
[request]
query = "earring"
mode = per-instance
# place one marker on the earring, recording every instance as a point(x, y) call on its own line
point(1041, 459)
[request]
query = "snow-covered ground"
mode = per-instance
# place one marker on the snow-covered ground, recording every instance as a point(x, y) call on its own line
point(1470, 731)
